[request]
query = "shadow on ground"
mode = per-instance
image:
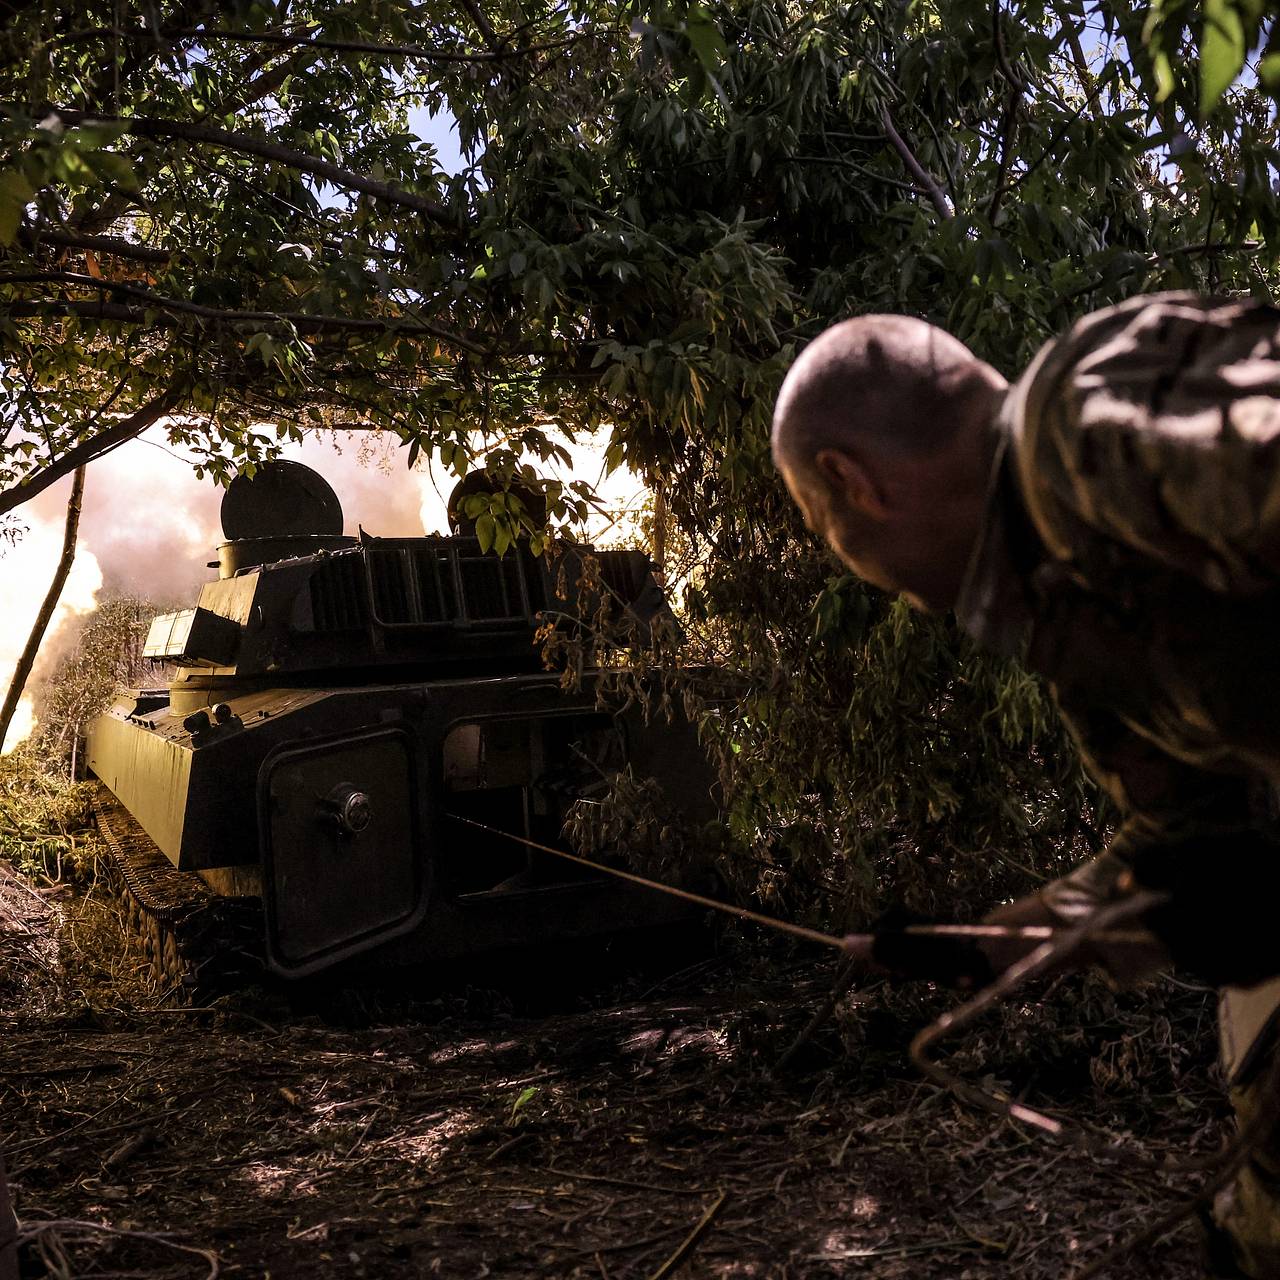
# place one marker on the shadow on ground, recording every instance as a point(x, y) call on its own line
point(459, 1137)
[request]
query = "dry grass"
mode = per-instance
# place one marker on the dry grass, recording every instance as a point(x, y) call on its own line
point(624, 1134)
point(453, 1137)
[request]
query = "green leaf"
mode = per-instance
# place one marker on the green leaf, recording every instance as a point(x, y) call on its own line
point(1269, 72)
point(705, 38)
point(10, 217)
point(89, 137)
point(15, 194)
point(115, 168)
point(486, 530)
point(526, 1096)
point(1222, 50)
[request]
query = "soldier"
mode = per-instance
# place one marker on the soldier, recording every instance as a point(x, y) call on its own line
point(1113, 519)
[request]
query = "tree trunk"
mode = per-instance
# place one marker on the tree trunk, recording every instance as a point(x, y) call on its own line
point(660, 534)
point(27, 661)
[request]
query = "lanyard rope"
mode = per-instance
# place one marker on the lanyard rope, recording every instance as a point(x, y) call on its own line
point(686, 895)
point(853, 942)
point(1051, 945)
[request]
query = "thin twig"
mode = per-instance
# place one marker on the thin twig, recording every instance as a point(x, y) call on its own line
point(31, 1232)
point(915, 168)
point(626, 1183)
point(1051, 146)
point(846, 973)
point(692, 1240)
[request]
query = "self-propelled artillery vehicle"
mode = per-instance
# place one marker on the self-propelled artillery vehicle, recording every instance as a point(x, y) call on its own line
point(304, 790)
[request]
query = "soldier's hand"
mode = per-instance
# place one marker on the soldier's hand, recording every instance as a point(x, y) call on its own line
point(897, 950)
point(892, 950)
point(1030, 911)
point(1061, 905)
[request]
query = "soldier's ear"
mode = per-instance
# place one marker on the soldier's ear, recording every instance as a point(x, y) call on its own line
point(853, 486)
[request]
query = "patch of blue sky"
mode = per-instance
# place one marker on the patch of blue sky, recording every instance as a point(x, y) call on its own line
point(440, 129)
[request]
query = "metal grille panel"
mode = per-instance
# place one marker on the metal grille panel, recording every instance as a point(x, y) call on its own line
point(339, 595)
point(420, 583)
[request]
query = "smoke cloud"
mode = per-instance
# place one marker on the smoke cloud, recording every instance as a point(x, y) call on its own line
point(26, 570)
point(149, 527)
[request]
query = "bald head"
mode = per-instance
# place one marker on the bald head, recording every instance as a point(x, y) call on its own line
point(882, 433)
point(890, 384)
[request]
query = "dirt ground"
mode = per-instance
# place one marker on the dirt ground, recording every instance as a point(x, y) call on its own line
point(637, 1132)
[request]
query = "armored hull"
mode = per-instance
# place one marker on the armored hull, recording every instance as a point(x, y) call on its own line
point(352, 738)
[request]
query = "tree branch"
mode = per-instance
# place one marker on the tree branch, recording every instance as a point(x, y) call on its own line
point(1008, 134)
point(97, 219)
point(483, 24)
point(1083, 72)
point(1009, 122)
point(301, 321)
point(93, 447)
point(842, 162)
point(915, 168)
point(247, 144)
point(302, 42)
point(35, 237)
point(27, 659)
point(264, 85)
point(1007, 69)
point(100, 310)
point(953, 193)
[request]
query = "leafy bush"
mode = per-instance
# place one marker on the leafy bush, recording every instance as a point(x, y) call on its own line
point(45, 818)
point(105, 654)
point(45, 815)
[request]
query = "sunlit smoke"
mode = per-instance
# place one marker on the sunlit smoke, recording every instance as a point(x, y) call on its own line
point(149, 528)
point(620, 494)
point(26, 570)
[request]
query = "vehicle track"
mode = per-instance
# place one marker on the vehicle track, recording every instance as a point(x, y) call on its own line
point(197, 943)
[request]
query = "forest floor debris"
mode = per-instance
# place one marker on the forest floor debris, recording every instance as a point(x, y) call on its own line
point(28, 946)
point(642, 1136)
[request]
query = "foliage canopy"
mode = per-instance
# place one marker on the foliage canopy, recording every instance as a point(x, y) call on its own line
point(217, 214)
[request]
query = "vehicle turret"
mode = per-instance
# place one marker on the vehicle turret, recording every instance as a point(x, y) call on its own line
point(360, 734)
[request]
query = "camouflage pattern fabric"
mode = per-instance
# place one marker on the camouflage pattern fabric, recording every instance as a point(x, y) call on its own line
point(1131, 555)
point(1154, 428)
point(1248, 1211)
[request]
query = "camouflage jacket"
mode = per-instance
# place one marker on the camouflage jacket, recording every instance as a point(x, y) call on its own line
point(1131, 554)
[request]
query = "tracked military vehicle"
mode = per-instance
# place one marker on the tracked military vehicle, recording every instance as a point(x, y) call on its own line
point(305, 791)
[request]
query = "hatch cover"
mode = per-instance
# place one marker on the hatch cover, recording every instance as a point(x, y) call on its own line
point(342, 867)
